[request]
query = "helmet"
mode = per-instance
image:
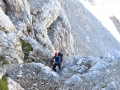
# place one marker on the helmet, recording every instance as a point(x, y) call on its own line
point(56, 53)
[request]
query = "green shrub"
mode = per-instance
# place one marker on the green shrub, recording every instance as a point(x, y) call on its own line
point(5, 61)
point(40, 61)
point(26, 47)
point(33, 20)
point(2, 28)
point(3, 83)
point(43, 36)
point(28, 30)
point(6, 32)
point(103, 87)
point(88, 65)
point(20, 19)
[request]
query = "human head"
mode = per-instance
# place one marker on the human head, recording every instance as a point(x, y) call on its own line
point(56, 53)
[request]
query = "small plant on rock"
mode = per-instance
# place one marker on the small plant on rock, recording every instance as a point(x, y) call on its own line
point(28, 30)
point(88, 65)
point(5, 61)
point(26, 47)
point(33, 20)
point(3, 83)
point(40, 61)
point(6, 32)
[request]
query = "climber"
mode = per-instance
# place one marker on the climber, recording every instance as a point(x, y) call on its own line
point(61, 55)
point(57, 61)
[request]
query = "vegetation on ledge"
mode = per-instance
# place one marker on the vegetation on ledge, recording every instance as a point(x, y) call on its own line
point(3, 83)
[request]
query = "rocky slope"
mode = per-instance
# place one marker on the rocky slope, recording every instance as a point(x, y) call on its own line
point(90, 36)
point(83, 73)
point(31, 31)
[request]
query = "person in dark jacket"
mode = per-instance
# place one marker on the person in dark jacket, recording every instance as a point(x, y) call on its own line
point(57, 62)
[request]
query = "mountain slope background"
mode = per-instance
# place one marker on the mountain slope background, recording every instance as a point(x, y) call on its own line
point(90, 35)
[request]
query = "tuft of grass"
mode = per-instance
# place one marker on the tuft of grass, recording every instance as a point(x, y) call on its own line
point(101, 57)
point(5, 61)
point(50, 27)
point(94, 84)
point(33, 20)
point(6, 32)
point(20, 19)
point(43, 36)
point(103, 86)
point(88, 65)
point(40, 61)
point(26, 47)
point(75, 35)
point(29, 61)
point(28, 30)
point(3, 83)
point(2, 28)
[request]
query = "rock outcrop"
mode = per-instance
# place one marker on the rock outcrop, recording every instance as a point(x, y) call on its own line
point(12, 85)
point(42, 24)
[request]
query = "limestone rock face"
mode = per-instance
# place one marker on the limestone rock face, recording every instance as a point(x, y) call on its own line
point(33, 21)
point(18, 10)
point(10, 47)
point(2, 72)
point(59, 34)
point(5, 23)
point(44, 13)
point(12, 85)
point(2, 5)
point(19, 13)
point(14, 42)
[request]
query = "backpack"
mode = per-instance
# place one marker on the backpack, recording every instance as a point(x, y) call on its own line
point(61, 55)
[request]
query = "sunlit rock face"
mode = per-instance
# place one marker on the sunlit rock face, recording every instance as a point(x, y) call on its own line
point(10, 47)
point(43, 24)
point(12, 85)
point(6, 24)
point(9, 39)
point(44, 13)
point(50, 26)
point(18, 11)
point(90, 36)
point(60, 36)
